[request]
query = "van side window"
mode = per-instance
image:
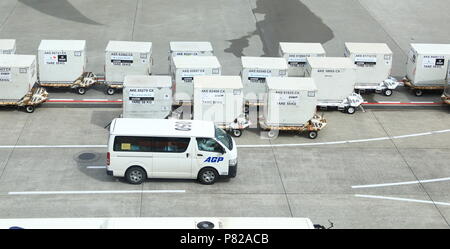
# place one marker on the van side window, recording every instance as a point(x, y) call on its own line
point(151, 144)
point(209, 144)
point(167, 144)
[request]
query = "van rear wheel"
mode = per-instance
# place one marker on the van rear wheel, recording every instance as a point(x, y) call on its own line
point(208, 176)
point(135, 175)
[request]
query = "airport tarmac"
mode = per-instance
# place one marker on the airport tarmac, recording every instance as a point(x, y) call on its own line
point(405, 150)
point(234, 27)
point(52, 165)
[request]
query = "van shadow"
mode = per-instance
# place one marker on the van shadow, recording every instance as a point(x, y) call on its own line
point(104, 118)
point(93, 165)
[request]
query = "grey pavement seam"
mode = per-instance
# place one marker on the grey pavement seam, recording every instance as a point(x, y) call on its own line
point(258, 30)
point(134, 19)
point(411, 170)
point(8, 16)
point(142, 197)
point(13, 149)
point(281, 179)
point(382, 27)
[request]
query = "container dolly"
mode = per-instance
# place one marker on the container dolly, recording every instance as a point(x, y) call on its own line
point(237, 127)
point(386, 87)
point(348, 105)
point(312, 127)
point(80, 85)
point(35, 97)
point(418, 90)
point(445, 98)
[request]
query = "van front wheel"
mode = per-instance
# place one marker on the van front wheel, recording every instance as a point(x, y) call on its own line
point(208, 176)
point(135, 175)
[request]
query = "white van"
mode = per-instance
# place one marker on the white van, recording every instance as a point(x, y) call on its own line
point(168, 148)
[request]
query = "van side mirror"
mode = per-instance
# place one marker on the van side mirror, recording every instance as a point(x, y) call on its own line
point(220, 149)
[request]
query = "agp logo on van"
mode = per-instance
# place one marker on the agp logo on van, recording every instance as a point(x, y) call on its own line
point(213, 159)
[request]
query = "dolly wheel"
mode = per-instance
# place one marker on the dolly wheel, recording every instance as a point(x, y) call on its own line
point(387, 92)
point(271, 134)
point(418, 92)
point(237, 133)
point(111, 91)
point(29, 108)
point(81, 90)
point(312, 134)
point(351, 110)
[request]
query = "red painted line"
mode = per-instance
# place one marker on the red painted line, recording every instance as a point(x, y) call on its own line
point(119, 101)
point(381, 103)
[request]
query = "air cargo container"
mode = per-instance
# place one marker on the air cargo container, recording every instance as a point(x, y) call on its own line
point(335, 78)
point(124, 58)
point(254, 72)
point(17, 82)
point(62, 63)
point(186, 48)
point(296, 53)
point(186, 68)
point(220, 99)
point(427, 67)
point(147, 96)
point(290, 104)
point(373, 63)
point(7, 46)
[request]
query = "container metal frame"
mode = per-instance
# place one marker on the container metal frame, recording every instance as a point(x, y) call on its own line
point(35, 97)
point(313, 126)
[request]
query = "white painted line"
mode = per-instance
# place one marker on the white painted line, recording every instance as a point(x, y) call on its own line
point(401, 183)
point(389, 102)
point(50, 146)
point(96, 167)
point(413, 135)
point(369, 140)
point(422, 102)
point(96, 192)
point(61, 99)
point(442, 131)
point(402, 199)
point(95, 99)
point(243, 146)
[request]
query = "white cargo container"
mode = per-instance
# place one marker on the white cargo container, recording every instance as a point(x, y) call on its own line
point(335, 78)
point(427, 66)
point(147, 96)
point(61, 61)
point(296, 53)
point(187, 48)
point(7, 46)
point(290, 101)
point(185, 68)
point(219, 99)
point(17, 76)
point(254, 72)
point(124, 58)
point(373, 66)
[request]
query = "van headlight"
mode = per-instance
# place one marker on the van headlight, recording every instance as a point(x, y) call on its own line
point(232, 162)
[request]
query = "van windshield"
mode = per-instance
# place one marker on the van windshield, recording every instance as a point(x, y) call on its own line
point(224, 138)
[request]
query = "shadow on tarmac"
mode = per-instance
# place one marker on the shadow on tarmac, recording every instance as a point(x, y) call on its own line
point(60, 9)
point(284, 21)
